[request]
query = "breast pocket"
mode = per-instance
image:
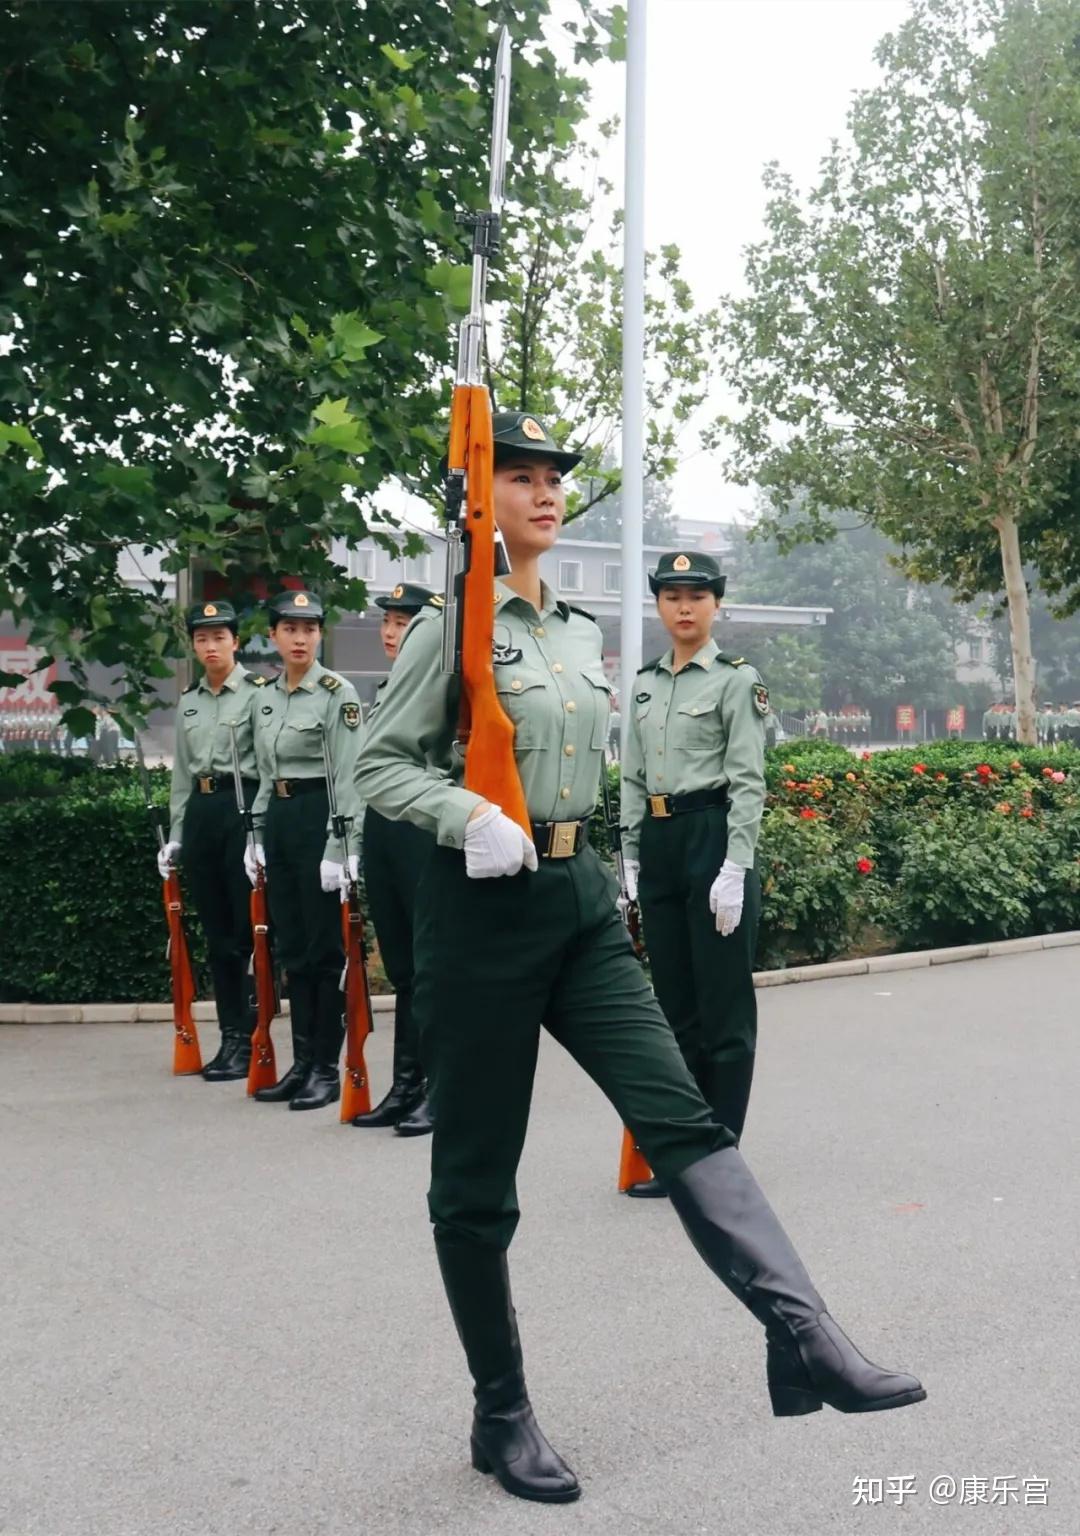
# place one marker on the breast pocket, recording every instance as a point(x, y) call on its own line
point(300, 745)
point(525, 696)
point(599, 699)
point(697, 729)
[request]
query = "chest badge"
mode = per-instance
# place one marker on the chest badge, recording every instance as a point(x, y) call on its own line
point(268, 709)
point(505, 655)
point(191, 711)
point(642, 698)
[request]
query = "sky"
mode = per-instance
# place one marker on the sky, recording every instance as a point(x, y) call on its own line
point(731, 85)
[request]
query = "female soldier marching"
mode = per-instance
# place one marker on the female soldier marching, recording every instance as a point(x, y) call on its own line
point(693, 789)
point(304, 861)
point(514, 932)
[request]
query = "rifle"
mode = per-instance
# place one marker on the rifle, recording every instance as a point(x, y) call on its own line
point(633, 1169)
point(187, 1058)
point(475, 553)
point(262, 1069)
point(356, 1090)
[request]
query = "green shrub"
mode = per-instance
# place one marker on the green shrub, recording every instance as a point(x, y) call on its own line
point(813, 892)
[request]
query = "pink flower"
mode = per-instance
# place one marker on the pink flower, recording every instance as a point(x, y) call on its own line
point(866, 756)
point(1058, 777)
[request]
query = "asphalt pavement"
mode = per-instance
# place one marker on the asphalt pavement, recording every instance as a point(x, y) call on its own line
point(218, 1317)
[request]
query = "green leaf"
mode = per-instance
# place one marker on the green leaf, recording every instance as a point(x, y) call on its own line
point(21, 437)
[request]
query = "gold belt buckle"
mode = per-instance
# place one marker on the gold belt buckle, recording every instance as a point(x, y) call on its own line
point(658, 805)
point(206, 785)
point(281, 789)
point(562, 842)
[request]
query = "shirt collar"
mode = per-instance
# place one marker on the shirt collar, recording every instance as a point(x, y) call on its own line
point(549, 603)
point(232, 682)
point(307, 682)
point(703, 658)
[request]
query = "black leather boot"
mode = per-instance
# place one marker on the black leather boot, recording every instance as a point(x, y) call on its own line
point(809, 1360)
point(322, 1085)
point(648, 1189)
point(406, 1088)
point(506, 1439)
point(302, 1020)
point(420, 1122)
point(231, 1062)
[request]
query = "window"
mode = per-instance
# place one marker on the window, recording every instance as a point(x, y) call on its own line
point(362, 564)
point(613, 578)
point(419, 570)
point(570, 576)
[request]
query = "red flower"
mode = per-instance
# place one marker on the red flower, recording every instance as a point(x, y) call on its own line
point(866, 756)
point(1047, 773)
point(864, 866)
point(808, 814)
point(919, 768)
point(984, 771)
point(1017, 767)
point(1027, 812)
point(941, 777)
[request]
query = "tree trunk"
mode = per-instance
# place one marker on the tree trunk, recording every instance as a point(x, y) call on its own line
point(1016, 593)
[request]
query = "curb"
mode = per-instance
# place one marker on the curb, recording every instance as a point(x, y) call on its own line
point(911, 960)
point(129, 1013)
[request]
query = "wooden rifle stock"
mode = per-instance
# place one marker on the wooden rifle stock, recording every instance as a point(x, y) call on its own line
point(490, 768)
point(356, 1090)
point(262, 1070)
point(187, 1057)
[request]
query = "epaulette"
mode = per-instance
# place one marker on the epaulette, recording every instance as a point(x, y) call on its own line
point(330, 682)
point(191, 687)
point(732, 661)
point(650, 666)
point(584, 613)
point(257, 678)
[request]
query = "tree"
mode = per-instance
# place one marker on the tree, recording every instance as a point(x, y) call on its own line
point(1057, 644)
point(910, 340)
point(230, 272)
point(883, 642)
point(558, 349)
point(602, 521)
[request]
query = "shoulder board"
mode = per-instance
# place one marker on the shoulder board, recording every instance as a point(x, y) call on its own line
point(330, 682)
point(257, 679)
point(583, 613)
point(192, 687)
point(650, 666)
point(732, 661)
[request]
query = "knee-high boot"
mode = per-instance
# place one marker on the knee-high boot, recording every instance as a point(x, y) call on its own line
point(230, 995)
point(302, 1019)
point(809, 1360)
point(506, 1439)
point(322, 1085)
point(407, 1084)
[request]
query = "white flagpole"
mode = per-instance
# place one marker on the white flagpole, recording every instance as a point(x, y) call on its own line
point(633, 361)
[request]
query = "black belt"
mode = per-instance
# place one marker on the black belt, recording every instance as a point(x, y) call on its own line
point(211, 784)
point(288, 789)
point(560, 839)
point(662, 806)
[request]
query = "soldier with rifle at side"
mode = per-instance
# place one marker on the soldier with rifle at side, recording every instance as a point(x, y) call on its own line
point(205, 832)
point(305, 862)
point(395, 855)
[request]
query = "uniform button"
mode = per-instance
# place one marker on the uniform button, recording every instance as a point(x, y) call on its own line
point(516, 685)
point(564, 794)
point(569, 749)
point(570, 707)
point(659, 778)
point(659, 751)
point(694, 711)
point(539, 632)
point(557, 667)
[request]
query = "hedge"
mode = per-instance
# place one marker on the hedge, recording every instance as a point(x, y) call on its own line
point(910, 848)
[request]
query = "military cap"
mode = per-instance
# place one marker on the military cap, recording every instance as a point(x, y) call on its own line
point(211, 615)
point(410, 597)
point(296, 605)
point(689, 569)
point(520, 434)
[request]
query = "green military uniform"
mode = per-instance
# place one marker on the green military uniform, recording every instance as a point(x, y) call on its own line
point(205, 822)
point(693, 790)
point(292, 813)
point(395, 855)
point(497, 958)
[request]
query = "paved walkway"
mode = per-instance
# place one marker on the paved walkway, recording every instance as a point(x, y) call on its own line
point(222, 1318)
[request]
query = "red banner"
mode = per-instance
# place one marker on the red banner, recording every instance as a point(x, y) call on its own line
point(905, 717)
point(17, 656)
point(956, 718)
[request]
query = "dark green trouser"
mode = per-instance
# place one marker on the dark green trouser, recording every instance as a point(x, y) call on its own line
point(306, 919)
point(495, 959)
point(212, 850)
point(395, 854)
point(704, 983)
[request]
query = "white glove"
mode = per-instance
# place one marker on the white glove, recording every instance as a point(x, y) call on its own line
point(330, 873)
point(631, 868)
point(495, 845)
point(167, 858)
point(350, 873)
point(726, 897)
point(254, 860)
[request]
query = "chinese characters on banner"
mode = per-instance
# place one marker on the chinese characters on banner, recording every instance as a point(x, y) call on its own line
point(905, 718)
point(956, 719)
point(33, 694)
